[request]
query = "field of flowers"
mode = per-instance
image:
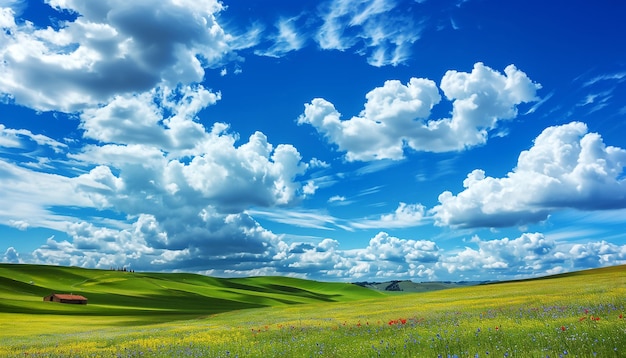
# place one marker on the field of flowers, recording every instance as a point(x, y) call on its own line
point(579, 315)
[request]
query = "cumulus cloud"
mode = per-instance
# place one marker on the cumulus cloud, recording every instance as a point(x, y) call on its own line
point(230, 242)
point(388, 257)
point(242, 248)
point(172, 192)
point(385, 257)
point(181, 212)
point(389, 248)
point(113, 48)
point(528, 253)
point(531, 254)
point(225, 175)
point(161, 117)
point(11, 256)
point(567, 167)
point(396, 116)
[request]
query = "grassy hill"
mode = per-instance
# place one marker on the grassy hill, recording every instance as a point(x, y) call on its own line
point(116, 293)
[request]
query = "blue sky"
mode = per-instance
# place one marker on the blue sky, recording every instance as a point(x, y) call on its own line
point(338, 140)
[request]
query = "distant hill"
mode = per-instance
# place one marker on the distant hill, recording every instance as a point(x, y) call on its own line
point(410, 286)
point(117, 293)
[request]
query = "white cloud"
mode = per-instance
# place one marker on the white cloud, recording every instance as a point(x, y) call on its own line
point(112, 48)
point(11, 256)
point(406, 215)
point(286, 39)
point(180, 209)
point(225, 175)
point(29, 195)
point(242, 247)
point(323, 258)
point(317, 163)
point(309, 188)
point(531, 254)
point(161, 117)
point(384, 247)
point(567, 167)
point(385, 257)
point(377, 29)
point(377, 132)
point(336, 198)
point(15, 138)
point(19, 224)
point(600, 253)
point(314, 219)
point(12, 4)
point(230, 242)
point(618, 76)
point(178, 190)
point(395, 116)
point(126, 119)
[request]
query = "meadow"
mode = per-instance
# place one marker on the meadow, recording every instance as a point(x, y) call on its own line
point(580, 314)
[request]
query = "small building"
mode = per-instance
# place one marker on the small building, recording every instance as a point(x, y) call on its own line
point(66, 298)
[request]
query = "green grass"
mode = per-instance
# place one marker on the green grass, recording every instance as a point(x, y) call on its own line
point(116, 293)
point(578, 314)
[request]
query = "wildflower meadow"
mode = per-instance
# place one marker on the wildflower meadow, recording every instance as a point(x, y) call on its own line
point(578, 315)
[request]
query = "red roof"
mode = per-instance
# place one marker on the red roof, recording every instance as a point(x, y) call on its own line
point(64, 296)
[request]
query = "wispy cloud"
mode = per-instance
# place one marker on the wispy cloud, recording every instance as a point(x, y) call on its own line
point(539, 103)
point(406, 215)
point(313, 219)
point(18, 6)
point(377, 166)
point(370, 190)
point(617, 76)
point(377, 29)
point(286, 39)
point(14, 138)
point(443, 168)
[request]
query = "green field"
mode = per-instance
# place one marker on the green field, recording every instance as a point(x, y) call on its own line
point(156, 314)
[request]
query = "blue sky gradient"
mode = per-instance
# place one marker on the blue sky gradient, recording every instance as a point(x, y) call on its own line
point(340, 140)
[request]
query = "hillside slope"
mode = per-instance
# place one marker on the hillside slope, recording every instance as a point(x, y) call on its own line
point(116, 293)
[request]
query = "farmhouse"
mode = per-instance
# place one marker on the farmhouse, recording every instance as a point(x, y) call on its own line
point(66, 298)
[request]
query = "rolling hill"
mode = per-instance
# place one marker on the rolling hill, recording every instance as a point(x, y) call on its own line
point(118, 293)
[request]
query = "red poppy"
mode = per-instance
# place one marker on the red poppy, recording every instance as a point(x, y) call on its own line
point(563, 328)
